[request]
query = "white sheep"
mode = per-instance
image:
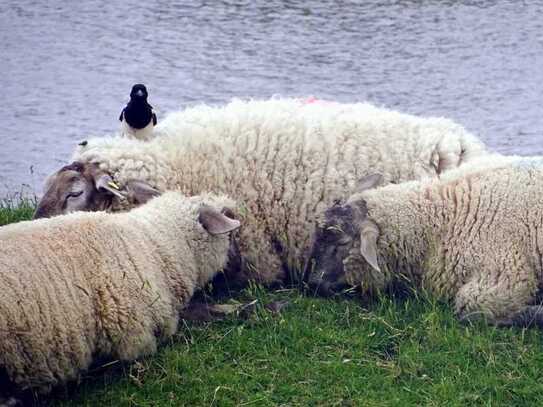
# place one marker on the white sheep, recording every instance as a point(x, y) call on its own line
point(284, 160)
point(474, 238)
point(88, 286)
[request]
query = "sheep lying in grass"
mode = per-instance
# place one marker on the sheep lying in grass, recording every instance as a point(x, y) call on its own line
point(95, 285)
point(283, 160)
point(474, 238)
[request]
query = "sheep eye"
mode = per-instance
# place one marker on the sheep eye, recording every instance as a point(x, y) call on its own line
point(334, 228)
point(335, 235)
point(343, 242)
point(74, 194)
point(332, 234)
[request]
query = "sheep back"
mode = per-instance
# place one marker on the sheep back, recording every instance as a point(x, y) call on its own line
point(285, 161)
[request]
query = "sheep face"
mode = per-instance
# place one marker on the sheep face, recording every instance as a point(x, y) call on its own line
point(336, 233)
point(345, 246)
point(84, 187)
point(72, 188)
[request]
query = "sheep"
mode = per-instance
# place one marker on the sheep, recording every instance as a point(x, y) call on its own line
point(473, 238)
point(92, 286)
point(282, 160)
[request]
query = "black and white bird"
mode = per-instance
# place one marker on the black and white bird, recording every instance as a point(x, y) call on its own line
point(137, 118)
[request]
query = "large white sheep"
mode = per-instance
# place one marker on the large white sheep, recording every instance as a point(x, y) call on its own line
point(95, 285)
point(283, 160)
point(474, 237)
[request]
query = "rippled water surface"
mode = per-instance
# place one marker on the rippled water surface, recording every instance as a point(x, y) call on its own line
point(66, 68)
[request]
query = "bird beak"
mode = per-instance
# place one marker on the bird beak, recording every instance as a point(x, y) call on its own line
point(139, 93)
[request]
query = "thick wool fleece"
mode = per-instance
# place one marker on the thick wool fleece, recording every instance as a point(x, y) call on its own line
point(475, 238)
point(94, 285)
point(284, 160)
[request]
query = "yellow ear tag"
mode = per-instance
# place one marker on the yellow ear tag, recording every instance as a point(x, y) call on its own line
point(113, 185)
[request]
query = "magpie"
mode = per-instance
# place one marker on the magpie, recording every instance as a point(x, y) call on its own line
point(137, 118)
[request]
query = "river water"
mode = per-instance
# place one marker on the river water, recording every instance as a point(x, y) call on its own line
point(66, 68)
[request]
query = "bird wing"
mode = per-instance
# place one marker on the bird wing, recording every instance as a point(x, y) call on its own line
point(121, 116)
point(154, 119)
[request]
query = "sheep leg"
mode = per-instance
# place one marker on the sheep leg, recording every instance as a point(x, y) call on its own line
point(500, 301)
point(532, 315)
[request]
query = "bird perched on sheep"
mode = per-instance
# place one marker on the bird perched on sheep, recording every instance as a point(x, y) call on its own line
point(473, 237)
point(283, 160)
point(97, 285)
point(137, 118)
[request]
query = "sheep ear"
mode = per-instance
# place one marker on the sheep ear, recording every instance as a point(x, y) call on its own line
point(369, 232)
point(104, 182)
point(369, 182)
point(215, 222)
point(229, 213)
point(139, 192)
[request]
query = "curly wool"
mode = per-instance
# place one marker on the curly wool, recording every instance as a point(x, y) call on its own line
point(284, 160)
point(94, 285)
point(473, 237)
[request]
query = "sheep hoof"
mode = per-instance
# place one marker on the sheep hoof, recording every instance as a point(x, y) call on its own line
point(473, 318)
point(204, 312)
point(530, 316)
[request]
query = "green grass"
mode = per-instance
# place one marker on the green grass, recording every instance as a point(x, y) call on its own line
point(15, 209)
point(330, 352)
point(389, 352)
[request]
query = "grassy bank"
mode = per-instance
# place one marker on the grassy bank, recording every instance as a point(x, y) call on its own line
point(393, 351)
point(330, 352)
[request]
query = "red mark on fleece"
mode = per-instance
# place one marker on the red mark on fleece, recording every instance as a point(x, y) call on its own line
point(312, 99)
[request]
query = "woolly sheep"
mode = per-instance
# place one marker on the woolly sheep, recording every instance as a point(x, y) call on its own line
point(283, 160)
point(473, 237)
point(89, 286)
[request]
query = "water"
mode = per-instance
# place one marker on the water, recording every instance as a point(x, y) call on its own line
point(66, 68)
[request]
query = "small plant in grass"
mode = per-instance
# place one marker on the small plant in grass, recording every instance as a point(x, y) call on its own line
point(16, 208)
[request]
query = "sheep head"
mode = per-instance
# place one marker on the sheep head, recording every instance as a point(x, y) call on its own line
point(345, 238)
point(84, 187)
